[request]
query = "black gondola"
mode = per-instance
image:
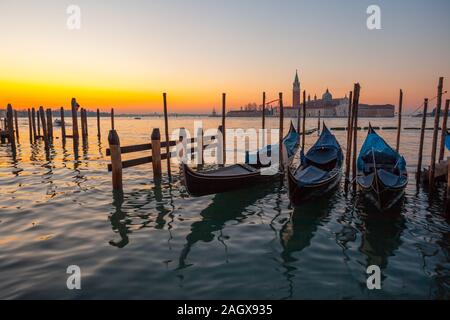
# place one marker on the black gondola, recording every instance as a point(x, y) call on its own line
point(319, 171)
point(382, 175)
point(236, 176)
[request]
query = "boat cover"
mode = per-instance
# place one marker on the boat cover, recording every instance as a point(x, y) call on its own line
point(310, 175)
point(447, 140)
point(290, 141)
point(325, 149)
point(389, 179)
point(233, 170)
point(375, 146)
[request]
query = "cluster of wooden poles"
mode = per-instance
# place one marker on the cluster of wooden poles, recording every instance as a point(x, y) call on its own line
point(40, 124)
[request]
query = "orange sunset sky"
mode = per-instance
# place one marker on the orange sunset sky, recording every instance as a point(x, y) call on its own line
point(128, 52)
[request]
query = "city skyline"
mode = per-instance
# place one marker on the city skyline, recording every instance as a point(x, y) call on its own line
point(126, 55)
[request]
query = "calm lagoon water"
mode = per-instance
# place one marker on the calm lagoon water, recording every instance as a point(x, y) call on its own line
point(157, 242)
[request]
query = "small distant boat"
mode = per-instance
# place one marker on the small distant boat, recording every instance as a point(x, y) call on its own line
point(382, 175)
point(236, 176)
point(319, 171)
point(137, 118)
point(57, 123)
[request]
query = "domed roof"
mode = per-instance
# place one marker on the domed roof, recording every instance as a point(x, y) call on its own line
point(327, 96)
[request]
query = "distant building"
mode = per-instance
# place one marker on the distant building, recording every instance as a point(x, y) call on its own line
point(296, 91)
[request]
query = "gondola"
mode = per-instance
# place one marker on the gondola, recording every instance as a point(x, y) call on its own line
point(381, 172)
point(319, 171)
point(236, 176)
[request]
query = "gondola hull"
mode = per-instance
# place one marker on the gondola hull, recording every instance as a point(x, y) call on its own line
point(195, 182)
point(382, 197)
point(301, 193)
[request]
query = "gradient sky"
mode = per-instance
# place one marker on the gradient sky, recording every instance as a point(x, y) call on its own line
point(128, 52)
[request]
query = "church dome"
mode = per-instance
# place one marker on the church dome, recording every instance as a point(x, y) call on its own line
point(327, 96)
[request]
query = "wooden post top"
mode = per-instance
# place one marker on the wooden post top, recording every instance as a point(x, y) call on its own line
point(156, 135)
point(113, 138)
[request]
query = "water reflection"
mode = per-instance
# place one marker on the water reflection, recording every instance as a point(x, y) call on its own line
point(297, 233)
point(381, 236)
point(224, 207)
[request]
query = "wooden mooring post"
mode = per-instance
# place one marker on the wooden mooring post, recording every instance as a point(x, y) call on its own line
point(116, 160)
point(16, 124)
point(49, 124)
point(435, 135)
point(156, 153)
point(44, 127)
point(224, 130)
point(355, 132)
point(63, 126)
point(83, 125)
point(166, 129)
point(30, 126)
point(318, 124)
point(98, 124)
point(399, 126)
point(444, 131)
point(33, 122)
point(112, 119)
point(263, 125)
point(422, 135)
point(75, 134)
point(38, 119)
point(348, 151)
point(10, 127)
point(304, 120)
point(280, 136)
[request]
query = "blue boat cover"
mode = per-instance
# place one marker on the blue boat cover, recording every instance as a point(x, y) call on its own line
point(447, 140)
point(375, 146)
point(290, 141)
point(310, 175)
point(325, 149)
point(390, 179)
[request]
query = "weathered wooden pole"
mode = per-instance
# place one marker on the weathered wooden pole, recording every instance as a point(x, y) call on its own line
point(116, 160)
point(348, 151)
point(16, 124)
point(49, 124)
point(63, 126)
point(304, 120)
point(156, 153)
point(44, 127)
point(33, 122)
point(98, 124)
point(75, 134)
point(399, 126)
point(86, 128)
point(224, 141)
point(38, 120)
point(355, 132)
point(30, 125)
point(83, 125)
point(299, 114)
point(435, 134)
point(444, 131)
point(318, 125)
point(112, 118)
point(263, 126)
point(422, 135)
point(10, 127)
point(166, 129)
point(349, 115)
point(280, 137)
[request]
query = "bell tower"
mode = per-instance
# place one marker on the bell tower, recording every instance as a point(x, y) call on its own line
point(296, 92)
